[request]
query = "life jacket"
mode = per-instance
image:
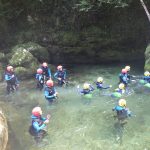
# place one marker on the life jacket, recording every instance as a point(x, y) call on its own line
point(61, 74)
point(45, 71)
point(40, 78)
point(120, 91)
point(37, 119)
point(51, 90)
point(86, 91)
point(123, 78)
point(99, 85)
point(122, 113)
point(12, 80)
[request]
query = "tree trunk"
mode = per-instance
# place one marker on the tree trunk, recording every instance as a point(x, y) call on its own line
point(146, 10)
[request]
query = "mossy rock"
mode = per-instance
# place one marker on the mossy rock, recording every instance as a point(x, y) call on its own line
point(35, 49)
point(24, 62)
point(23, 72)
point(2, 57)
point(69, 39)
point(21, 57)
point(147, 58)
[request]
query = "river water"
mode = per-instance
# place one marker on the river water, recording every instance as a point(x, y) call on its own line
point(76, 124)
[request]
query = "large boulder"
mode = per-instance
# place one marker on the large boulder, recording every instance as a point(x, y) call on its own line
point(3, 131)
point(24, 62)
point(147, 58)
point(35, 49)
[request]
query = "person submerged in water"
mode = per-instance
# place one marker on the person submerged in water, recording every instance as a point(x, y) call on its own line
point(50, 91)
point(122, 112)
point(11, 79)
point(121, 88)
point(60, 75)
point(87, 89)
point(40, 79)
point(38, 126)
point(146, 77)
point(99, 84)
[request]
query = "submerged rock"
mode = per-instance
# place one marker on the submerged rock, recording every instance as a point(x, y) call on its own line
point(147, 58)
point(3, 131)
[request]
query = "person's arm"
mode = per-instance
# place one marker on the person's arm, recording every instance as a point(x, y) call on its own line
point(65, 75)
point(37, 127)
point(56, 75)
point(49, 72)
point(7, 77)
point(91, 88)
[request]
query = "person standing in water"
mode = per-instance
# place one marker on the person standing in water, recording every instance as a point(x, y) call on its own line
point(123, 77)
point(50, 91)
point(38, 126)
point(46, 71)
point(60, 75)
point(40, 79)
point(122, 112)
point(11, 79)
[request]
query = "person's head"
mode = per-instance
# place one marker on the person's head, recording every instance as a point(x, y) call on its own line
point(124, 71)
point(121, 86)
point(37, 111)
point(122, 102)
point(59, 68)
point(100, 79)
point(127, 68)
point(10, 68)
point(45, 65)
point(49, 83)
point(86, 86)
point(39, 71)
point(146, 73)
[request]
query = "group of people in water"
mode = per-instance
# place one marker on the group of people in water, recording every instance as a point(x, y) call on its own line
point(44, 81)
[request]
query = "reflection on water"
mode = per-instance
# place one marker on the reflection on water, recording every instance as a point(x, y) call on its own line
point(76, 125)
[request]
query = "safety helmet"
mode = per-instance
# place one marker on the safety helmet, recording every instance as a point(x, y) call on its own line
point(146, 73)
point(123, 71)
point(86, 86)
point(127, 68)
point(37, 111)
point(121, 86)
point(9, 68)
point(59, 67)
point(44, 64)
point(49, 83)
point(99, 79)
point(39, 71)
point(122, 102)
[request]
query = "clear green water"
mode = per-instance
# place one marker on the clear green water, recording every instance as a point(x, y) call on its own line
point(76, 125)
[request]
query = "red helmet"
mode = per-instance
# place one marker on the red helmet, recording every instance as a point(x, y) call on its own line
point(36, 111)
point(44, 64)
point(59, 67)
point(123, 71)
point(9, 68)
point(50, 83)
point(39, 71)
